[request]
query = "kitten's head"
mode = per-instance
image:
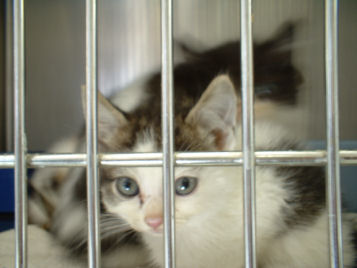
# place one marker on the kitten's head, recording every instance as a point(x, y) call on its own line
point(135, 194)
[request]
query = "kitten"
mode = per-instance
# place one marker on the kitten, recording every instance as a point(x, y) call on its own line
point(291, 214)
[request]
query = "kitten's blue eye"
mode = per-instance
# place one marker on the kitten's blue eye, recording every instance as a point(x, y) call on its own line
point(127, 186)
point(185, 185)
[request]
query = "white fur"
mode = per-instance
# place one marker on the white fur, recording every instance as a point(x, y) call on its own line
point(306, 247)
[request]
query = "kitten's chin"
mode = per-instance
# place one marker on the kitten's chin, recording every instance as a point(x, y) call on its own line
point(156, 232)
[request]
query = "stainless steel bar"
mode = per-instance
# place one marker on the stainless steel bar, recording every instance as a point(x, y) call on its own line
point(167, 132)
point(248, 133)
point(333, 161)
point(20, 138)
point(9, 92)
point(92, 131)
point(266, 158)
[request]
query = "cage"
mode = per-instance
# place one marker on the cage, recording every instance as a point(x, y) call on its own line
point(127, 39)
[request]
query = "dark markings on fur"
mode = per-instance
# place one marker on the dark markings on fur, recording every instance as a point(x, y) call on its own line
point(307, 198)
point(275, 76)
point(307, 190)
point(186, 136)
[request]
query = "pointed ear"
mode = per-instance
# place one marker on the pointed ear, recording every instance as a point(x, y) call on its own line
point(216, 112)
point(110, 119)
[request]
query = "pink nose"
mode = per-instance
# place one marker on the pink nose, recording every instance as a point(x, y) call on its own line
point(153, 222)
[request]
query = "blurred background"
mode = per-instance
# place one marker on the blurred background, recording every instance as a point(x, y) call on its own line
point(129, 48)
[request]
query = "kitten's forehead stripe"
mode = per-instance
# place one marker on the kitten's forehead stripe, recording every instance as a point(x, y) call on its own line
point(144, 126)
point(146, 142)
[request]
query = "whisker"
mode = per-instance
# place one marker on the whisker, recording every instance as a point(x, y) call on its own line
point(115, 229)
point(121, 237)
point(112, 222)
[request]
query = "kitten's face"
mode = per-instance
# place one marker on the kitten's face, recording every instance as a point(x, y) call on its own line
point(135, 194)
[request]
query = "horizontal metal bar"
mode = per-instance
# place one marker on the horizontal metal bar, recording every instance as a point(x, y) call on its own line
point(270, 158)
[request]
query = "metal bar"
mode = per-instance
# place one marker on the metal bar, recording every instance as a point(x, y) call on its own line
point(167, 132)
point(20, 138)
point(9, 92)
point(333, 161)
point(248, 133)
point(266, 158)
point(92, 131)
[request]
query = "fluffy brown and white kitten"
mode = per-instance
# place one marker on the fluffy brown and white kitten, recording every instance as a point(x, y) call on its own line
point(290, 201)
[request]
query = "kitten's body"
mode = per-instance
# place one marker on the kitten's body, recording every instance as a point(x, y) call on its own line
point(291, 215)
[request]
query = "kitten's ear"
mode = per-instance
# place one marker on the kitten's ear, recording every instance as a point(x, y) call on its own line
point(216, 112)
point(110, 119)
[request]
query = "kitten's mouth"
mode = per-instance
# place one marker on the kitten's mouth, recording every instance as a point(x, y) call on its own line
point(156, 232)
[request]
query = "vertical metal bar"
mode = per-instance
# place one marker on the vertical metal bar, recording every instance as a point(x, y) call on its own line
point(333, 160)
point(248, 133)
point(9, 92)
point(167, 132)
point(20, 138)
point(92, 154)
